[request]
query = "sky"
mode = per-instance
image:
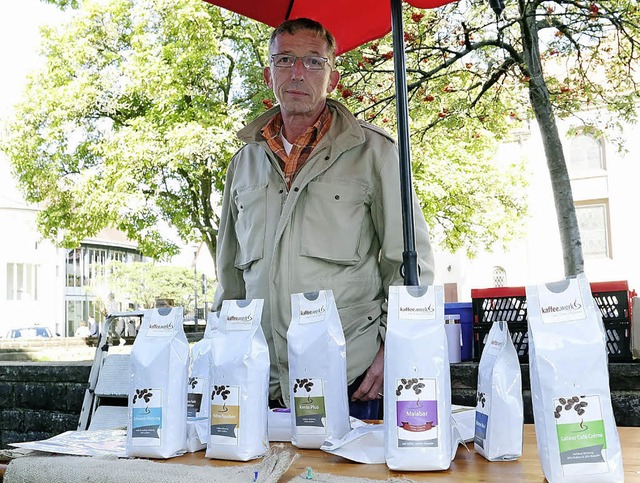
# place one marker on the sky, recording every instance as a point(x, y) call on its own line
point(20, 38)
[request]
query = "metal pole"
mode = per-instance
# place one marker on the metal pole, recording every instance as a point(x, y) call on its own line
point(409, 256)
point(195, 290)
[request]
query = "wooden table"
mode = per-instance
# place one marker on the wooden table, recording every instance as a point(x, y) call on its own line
point(467, 466)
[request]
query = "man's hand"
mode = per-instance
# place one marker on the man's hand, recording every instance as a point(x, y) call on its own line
point(373, 383)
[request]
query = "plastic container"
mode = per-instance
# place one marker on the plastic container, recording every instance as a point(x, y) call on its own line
point(454, 337)
point(464, 309)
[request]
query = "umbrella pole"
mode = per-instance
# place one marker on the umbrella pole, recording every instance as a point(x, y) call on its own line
point(409, 256)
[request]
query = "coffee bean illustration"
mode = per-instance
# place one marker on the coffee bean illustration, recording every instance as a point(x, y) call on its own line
point(572, 402)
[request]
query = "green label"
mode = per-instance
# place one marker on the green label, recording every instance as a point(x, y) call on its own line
point(582, 442)
point(581, 435)
point(310, 411)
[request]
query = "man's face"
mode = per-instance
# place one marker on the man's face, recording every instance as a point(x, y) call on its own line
point(301, 92)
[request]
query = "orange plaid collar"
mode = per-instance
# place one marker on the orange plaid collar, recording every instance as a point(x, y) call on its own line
point(302, 147)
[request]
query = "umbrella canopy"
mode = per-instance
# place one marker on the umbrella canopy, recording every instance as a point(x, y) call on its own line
point(354, 23)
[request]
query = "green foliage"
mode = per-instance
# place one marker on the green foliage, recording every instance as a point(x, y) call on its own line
point(63, 4)
point(141, 283)
point(471, 199)
point(132, 120)
point(471, 83)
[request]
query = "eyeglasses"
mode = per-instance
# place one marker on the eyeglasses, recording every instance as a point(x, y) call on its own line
point(310, 62)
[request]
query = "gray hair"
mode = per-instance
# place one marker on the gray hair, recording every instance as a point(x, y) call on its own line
point(295, 25)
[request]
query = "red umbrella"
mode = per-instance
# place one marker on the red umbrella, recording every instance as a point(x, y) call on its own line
point(353, 23)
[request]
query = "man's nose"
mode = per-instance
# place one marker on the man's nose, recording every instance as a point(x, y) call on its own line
point(298, 70)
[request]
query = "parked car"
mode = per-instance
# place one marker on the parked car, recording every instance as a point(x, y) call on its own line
point(29, 332)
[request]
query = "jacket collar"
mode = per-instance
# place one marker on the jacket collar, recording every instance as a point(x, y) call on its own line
point(345, 131)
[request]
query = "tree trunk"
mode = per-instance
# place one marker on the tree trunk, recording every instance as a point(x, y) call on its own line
point(560, 182)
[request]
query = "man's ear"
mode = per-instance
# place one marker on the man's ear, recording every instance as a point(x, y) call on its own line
point(267, 76)
point(334, 78)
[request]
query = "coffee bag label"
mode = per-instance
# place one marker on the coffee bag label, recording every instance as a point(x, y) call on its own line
point(310, 411)
point(195, 396)
point(483, 404)
point(313, 311)
point(562, 307)
point(240, 321)
point(417, 412)
point(581, 433)
point(161, 327)
point(146, 417)
point(494, 346)
point(241, 314)
point(225, 414)
point(412, 307)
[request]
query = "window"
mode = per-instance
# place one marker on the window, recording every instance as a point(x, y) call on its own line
point(86, 264)
point(81, 310)
point(593, 221)
point(74, 268)
point(586, 155)
point(499, 277)
point(22, 281)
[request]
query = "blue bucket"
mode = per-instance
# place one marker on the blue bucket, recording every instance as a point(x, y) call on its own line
point(465, 311)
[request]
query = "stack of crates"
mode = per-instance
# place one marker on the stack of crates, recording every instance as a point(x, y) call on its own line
point(510, 304)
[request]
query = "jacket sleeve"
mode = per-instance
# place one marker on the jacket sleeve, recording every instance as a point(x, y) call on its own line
point(387, 216)
point(230, 280)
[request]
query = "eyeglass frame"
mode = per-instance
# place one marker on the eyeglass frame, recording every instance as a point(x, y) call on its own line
point(302, 58)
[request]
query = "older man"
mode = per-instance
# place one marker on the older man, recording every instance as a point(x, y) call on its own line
point(312, 202)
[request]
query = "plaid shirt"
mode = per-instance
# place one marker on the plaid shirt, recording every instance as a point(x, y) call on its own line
point(302, 147)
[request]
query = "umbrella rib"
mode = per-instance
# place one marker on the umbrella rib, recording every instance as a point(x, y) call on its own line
point(286, 17)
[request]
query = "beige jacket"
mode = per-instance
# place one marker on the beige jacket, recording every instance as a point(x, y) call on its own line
point(339, 227)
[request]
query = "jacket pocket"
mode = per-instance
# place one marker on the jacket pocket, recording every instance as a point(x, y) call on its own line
point(334, 219)
point(250, 226)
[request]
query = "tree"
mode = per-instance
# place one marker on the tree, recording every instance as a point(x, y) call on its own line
point(132, 123)
point(141, 283)
point(474, 72)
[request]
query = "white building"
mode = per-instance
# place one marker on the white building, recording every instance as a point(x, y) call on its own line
point(606, 191)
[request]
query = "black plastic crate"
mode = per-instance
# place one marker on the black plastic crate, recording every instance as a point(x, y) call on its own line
point(614, 299)
point(618, 337)
point(519, 335)
point(510, 303)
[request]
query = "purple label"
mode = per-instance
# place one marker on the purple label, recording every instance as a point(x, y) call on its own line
point(418, 415)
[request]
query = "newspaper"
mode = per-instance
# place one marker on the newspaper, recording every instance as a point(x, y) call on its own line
point(104, 442)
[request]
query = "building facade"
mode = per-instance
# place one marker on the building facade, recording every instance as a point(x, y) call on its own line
point(605, 186)
point(42, 285)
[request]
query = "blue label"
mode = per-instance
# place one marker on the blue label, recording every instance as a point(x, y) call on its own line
point(146, 422)
point(481, 428)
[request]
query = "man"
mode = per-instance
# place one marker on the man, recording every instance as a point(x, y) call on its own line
point(312, 202)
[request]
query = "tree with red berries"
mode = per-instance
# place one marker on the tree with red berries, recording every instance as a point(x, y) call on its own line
point(473, 74)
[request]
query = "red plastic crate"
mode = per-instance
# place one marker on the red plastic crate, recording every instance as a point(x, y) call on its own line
point(614, 299)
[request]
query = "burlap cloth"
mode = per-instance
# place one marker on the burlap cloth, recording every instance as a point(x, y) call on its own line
point(94, 469)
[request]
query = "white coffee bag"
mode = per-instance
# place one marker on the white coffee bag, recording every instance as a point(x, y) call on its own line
point(157, 423)
point(575, 426)
point(417, 384)
point(198, 396)
point(317, 370)
point(239, 383)
point(499, 410)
